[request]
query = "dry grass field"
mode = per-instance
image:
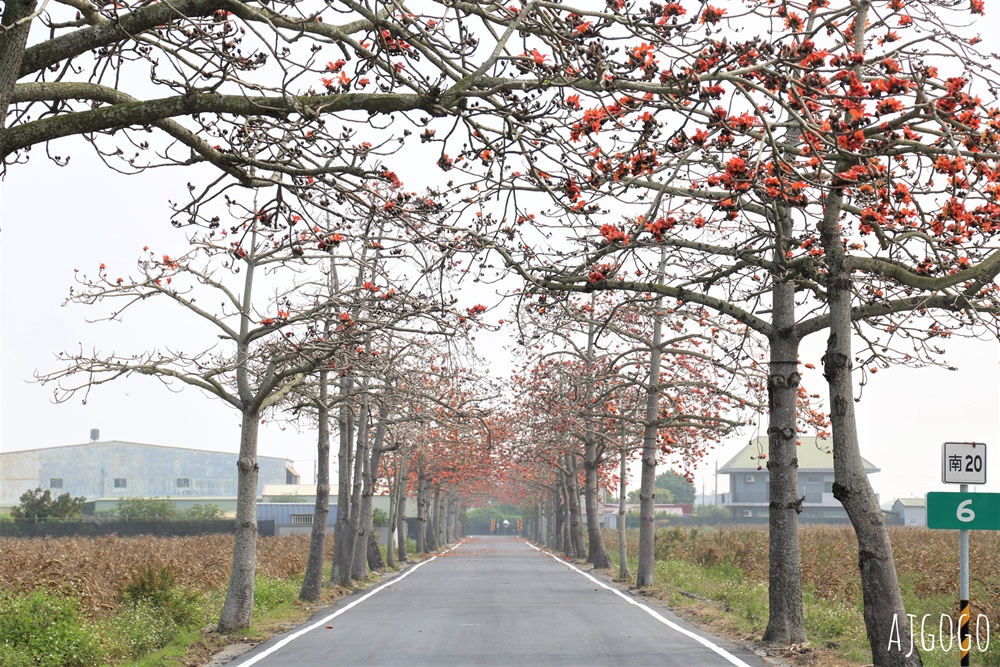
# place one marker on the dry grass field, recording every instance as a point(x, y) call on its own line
point(926, 560)
point(94, 569)
point(730, 565)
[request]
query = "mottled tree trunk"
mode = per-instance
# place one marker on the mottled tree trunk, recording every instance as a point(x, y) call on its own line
point(559, 516)
point(647, 484)
point(554, 529)
point(576, 515)
point(343, 547)
point(885, 616)
point(390, 546)
point(237, 610)
point(401, 536)
point(623, 573)
point(786, 622)
point(366, 529)
point(359, 549)
point(434, 526)
point(597, 554)
point(312, 583)
point(451, 503)
point(538, 529)
point(423, 500)
point(375, 562)
point(12, 44)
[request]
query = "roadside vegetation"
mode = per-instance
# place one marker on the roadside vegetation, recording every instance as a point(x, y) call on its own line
point(146, 601)
point(718, 577)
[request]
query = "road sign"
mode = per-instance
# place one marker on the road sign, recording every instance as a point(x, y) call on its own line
point(963, 463)
point(963, 511)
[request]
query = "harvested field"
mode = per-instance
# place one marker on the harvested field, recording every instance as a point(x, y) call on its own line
point(94, 569)
point(926, 560)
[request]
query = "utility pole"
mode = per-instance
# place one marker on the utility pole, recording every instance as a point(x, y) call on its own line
point(715, 500)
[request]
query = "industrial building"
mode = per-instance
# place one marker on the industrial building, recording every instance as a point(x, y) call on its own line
point(105, 471)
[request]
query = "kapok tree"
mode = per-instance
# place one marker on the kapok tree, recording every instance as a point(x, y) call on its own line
point(264, 340)
point(821, 150)
point(696, 377)
point(384, 265)
point(605, 345)
point(263, 93)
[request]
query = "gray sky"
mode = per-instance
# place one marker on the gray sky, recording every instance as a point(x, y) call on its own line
point(57, 219)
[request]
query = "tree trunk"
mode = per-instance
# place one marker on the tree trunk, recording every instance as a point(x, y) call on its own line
point(312, 583)
point(449, 523)
point(390, 545)
point(343, 546)
point(538, 529)
point(423, 491)
point(885, 616)
point(12, 45)
point(401, 536)
point(623, 573)
point(567, 527)
point(786, 622)
point(556, 514)
point(360, 504)
point(647, 485)
point(433, 538)
point(597, 554)
point(372, 559)
point(237, 610)
point(375, 562)
point(576, 516)
point(562, 512)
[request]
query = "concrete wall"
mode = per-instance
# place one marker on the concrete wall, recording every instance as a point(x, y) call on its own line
point(127, 470)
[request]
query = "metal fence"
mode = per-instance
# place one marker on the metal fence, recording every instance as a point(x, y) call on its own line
point(121, 527)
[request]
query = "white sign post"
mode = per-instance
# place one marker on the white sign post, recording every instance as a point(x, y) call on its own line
point(963, 463)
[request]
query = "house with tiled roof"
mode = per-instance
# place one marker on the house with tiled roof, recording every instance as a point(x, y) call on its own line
point(749, 482)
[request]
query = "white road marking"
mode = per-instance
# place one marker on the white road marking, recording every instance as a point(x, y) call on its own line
point(652, 612)
point(292, 637)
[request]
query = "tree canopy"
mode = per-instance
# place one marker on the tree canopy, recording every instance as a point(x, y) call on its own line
point(38, 504)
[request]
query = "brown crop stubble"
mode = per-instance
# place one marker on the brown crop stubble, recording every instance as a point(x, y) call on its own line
point(926, 560)
point(94, 569)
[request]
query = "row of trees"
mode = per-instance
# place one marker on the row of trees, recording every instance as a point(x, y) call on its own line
point(36, 504)
point(715, 183)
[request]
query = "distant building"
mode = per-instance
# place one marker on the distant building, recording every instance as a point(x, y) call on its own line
point(750, 482)
point(109, 470)
point(288, 494)
point(607, 513)
point(910, 511)
point(293, 518)
point(292, 508)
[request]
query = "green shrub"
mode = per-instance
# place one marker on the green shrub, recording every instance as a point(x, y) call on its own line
point(146, 508)
point(271, 593)
point(199, 511)
point(12, 657)
point(159, 590)
point(138, 628)
point(49, 629)
point(380, 517)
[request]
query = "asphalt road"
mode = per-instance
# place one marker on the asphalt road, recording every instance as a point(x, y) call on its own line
point(495, 601)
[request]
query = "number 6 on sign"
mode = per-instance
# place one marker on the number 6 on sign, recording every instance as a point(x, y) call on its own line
point(965, 512)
